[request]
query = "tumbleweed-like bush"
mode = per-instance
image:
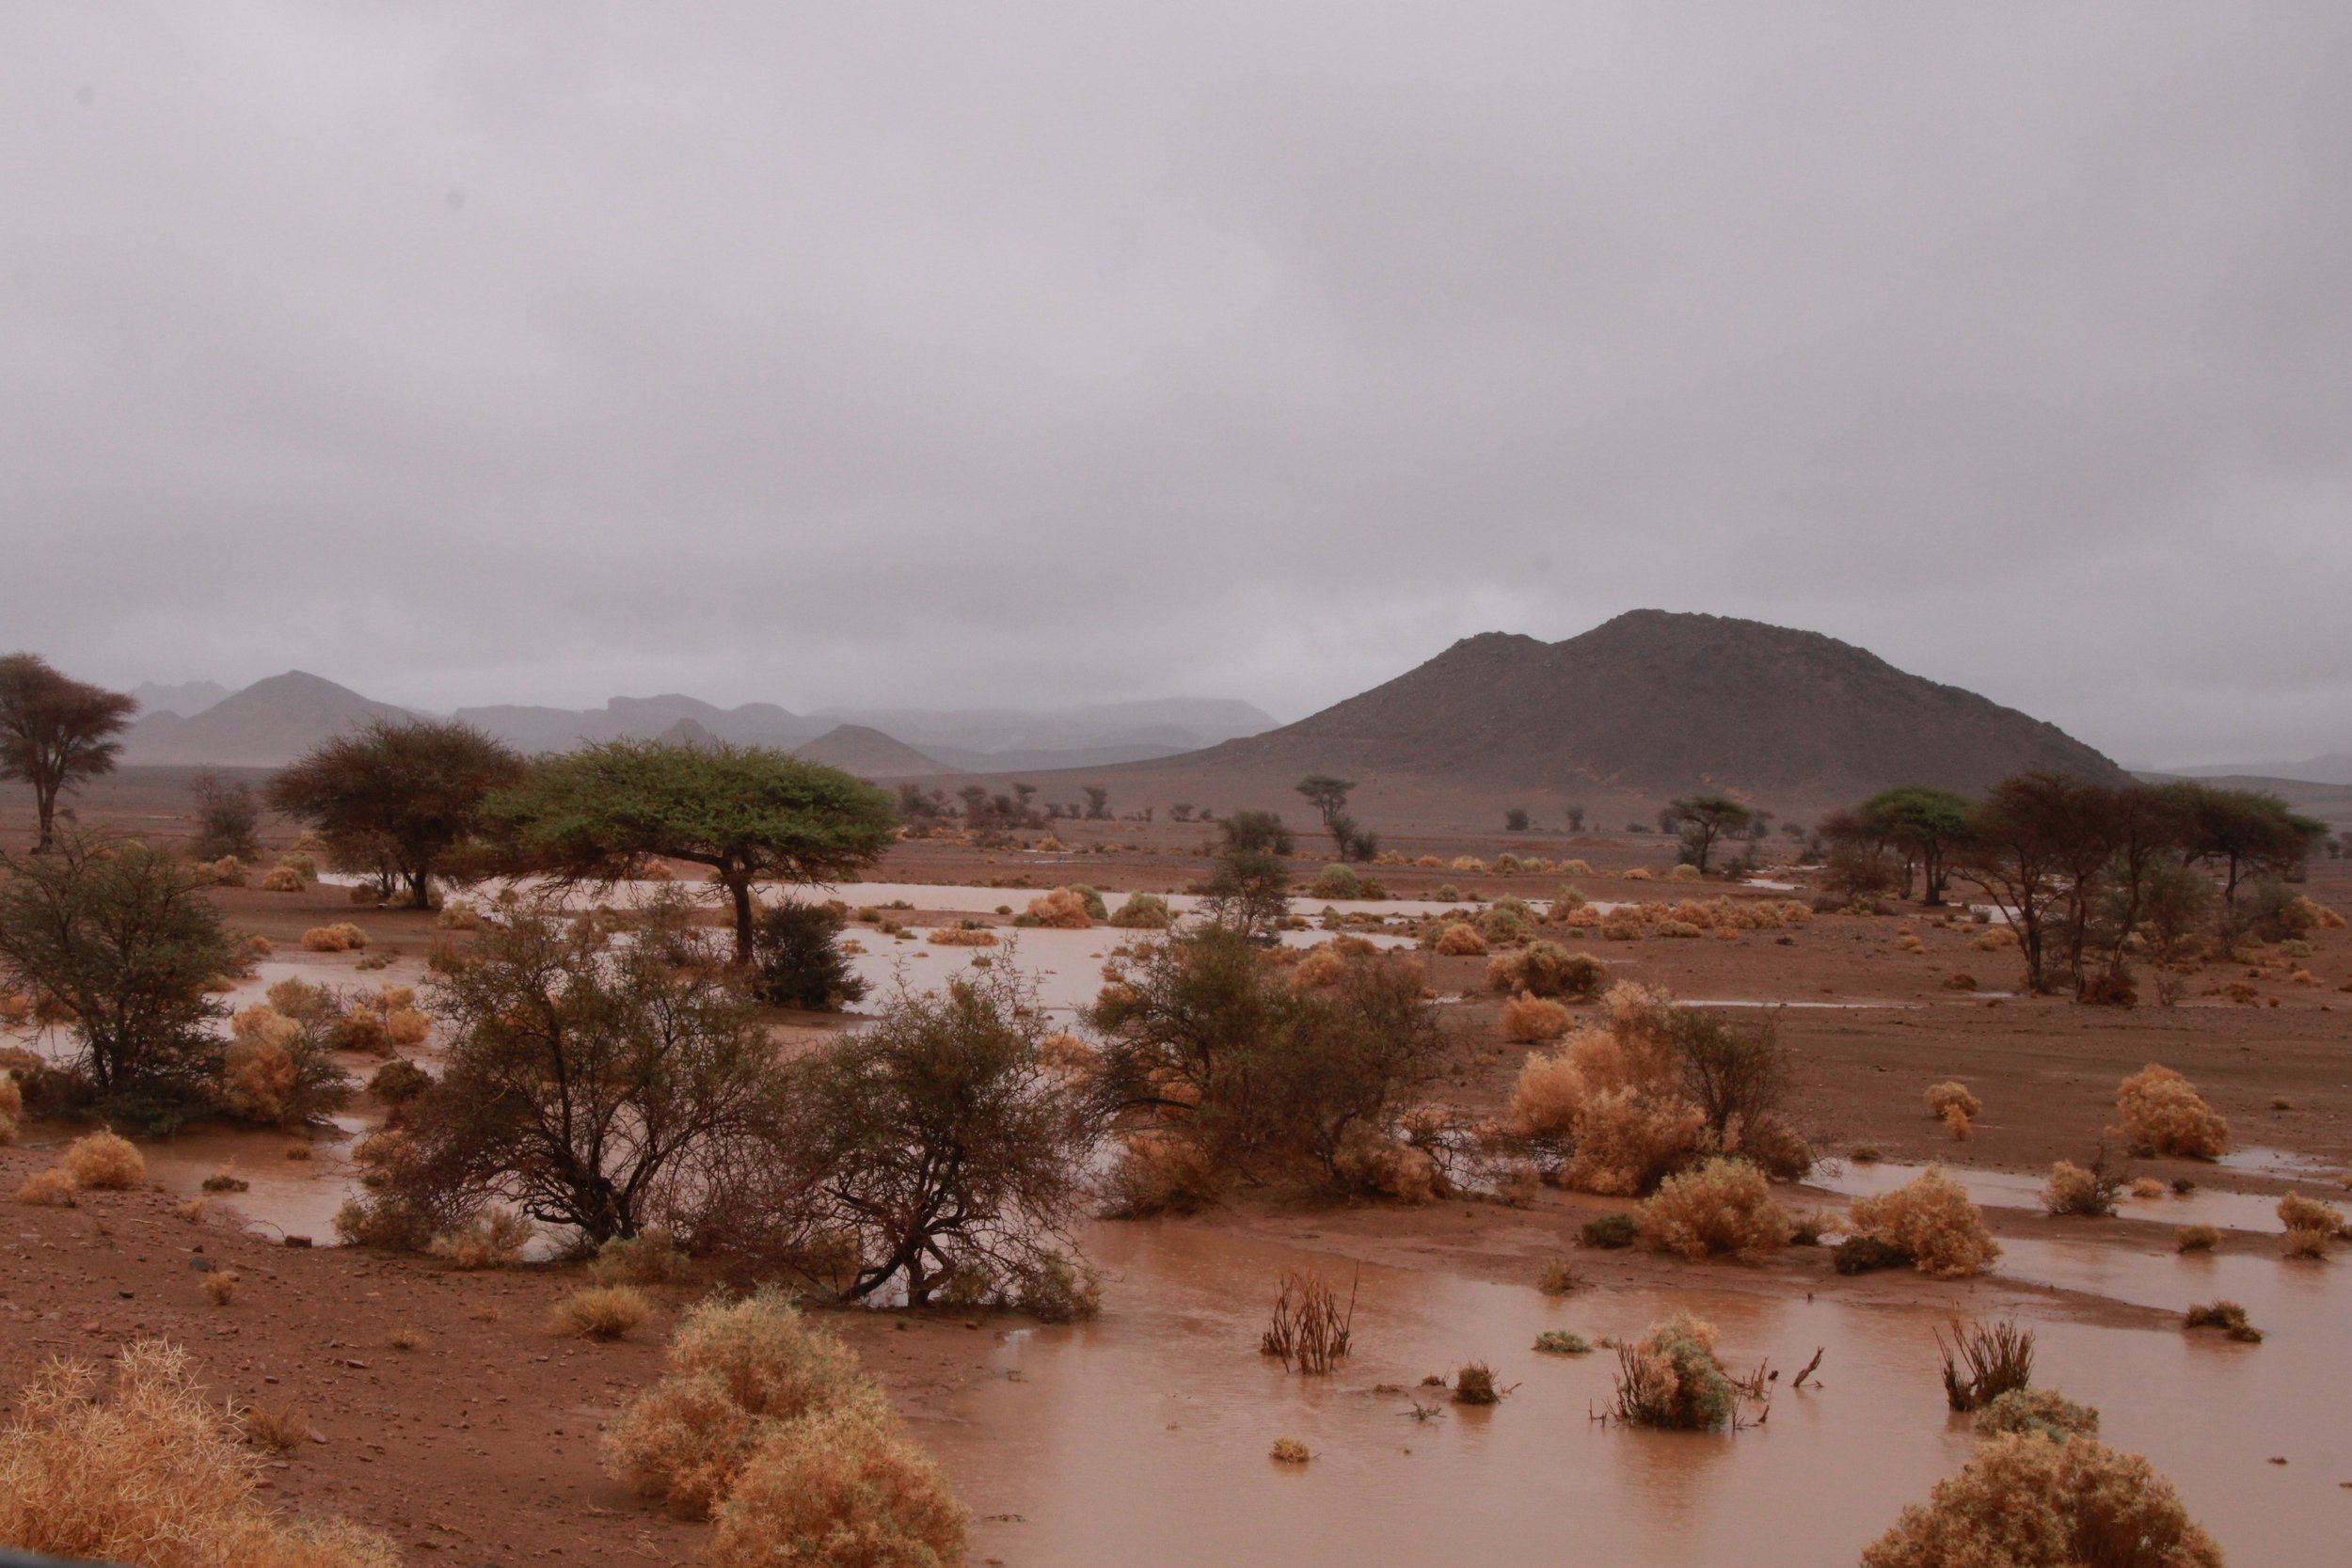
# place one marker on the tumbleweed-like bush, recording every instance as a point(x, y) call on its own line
point(341, 937)
point(601, 1312)
point(1546, 969)
point(1533, 1020)
point(2227, 1316)
point(2299, 1213)
point(2042, 1411)
point(1460, 940)
point(153, 1475)
point(1063, 910)
point(104, 1160)
point(2162, 1113)
point(1929, 1220)
point(2026, 1501)
point(492, 1240)
point(52, 1188)
point(1723, 1207)
point(841, 1489)
point(2074, 1190)
point(1142, 911)
point(1941, 1096)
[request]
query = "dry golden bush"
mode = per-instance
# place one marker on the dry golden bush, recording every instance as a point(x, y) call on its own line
point(104, 1160)
point(341, 937)
point(1671, 1379)
point(272, 1429)
point(1546, 969)
point(282, 878)
point(1320, 968)
point(299, 999)
point(2196, 1238)
point(2026, 1500)
point(1159, 1173)
point(2074, 1190)
point(1065, 1053)
point(153, 1475)
point(52, 1188)
point(2307, 1241)
point(2297, 1212)
point(191, 1212)
point(1369, 1164)
point(962, 936)
point(1994, 938)
point(1723, 1207)
point(221, 1286)
point(11, 1097)
point(1460, 940)
point(1061, 910)
point(1929, 1220)
point(407, 1026)
point(2162, 1113)
point(600, 1312)
point(492, 1240)
point(1289, 1451)
point(1957, 1123)
point(843, 1489)
point(1947, 1094)
point(737, 1370)
point(2146, 1186)
point(1626, 1141)
point(1534, 1020)
point(650, 1257)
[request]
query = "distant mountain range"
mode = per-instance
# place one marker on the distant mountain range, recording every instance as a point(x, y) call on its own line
point(273, 721)
point(1648, 705)
point(2333, 768)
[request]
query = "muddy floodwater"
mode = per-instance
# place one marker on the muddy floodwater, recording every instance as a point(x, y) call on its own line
point(1143, 1437)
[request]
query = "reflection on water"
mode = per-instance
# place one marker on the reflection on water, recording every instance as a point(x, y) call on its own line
point(1143, 1437)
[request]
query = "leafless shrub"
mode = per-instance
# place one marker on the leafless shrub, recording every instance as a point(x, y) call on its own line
point(1983, 1361)
point(1310, 1330)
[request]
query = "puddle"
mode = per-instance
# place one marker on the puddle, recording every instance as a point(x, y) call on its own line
point(287, 1198)
point(2001, 1189)
point(1143, 1437)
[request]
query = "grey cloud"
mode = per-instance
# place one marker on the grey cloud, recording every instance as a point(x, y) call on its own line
point(1041, 355)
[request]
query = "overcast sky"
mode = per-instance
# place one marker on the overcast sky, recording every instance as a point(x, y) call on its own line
point(959, 354)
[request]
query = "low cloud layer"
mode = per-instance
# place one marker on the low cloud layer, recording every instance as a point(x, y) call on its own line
point(1034, 355)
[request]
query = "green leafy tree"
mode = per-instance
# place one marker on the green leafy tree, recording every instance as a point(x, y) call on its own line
point(2018, 852)
point(1261, 831)
point(1922, 824)
point(228, 817)
point(1328, 796)
point(1098, 803)
point(1248, 892)
point(1703, 821)
point(2245, 832)
point(1515, 819)
point(56, 732)
point(403, 794)
point(747, 813)
point(120, 934)
point(797, 959)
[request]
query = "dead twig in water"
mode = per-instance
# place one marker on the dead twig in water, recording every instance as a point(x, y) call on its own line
point(1810, 1367)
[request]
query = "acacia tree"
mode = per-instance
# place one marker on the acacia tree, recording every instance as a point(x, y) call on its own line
point(942, 1143)
point(2245, 832)
point(748, 813)
point(399, 793)
point(121, 935)
point(228, 817)
point(56, 732)
point(590, 1084)
point(2014, 852)
point(1703, 821)
point(1328, 796)
point(1923, 825)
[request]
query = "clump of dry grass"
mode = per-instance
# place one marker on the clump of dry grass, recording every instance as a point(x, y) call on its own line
point(1558, 1278)
point(737, 1370)
point(1534, 1020)
point(52, 1188)
point(2196, 1238)
point(651, 1258)
point(1957, 1123)
point(844, 1488)
point(1318, 969)
point(600, 1312)
point(1723, 1207)
point(1142, 911)
point(1061, 910)
point(2299, 1213)
point(493, 1240)
point(1460, 940)
point(962, 936)
point(1672, 1378)
point(341, 937)
point(1983, 1361)
point(1475, 1384)
point(2023, 1499)
point(1289, 1451)
point(1368, 1163)
point(2042, 1411)
point(1943, 1097)
point(1546, 969)
point(221, 1286)
point(1559, 1341)
point(104, 1160)
point(2227, 1316)
point(2074, 1189)
point(1929, 1220)
point(407, 1339)
point(273, 1430)
point(2307, 1241)
point(282, 878)
point(1159, 1173)
point(153, 1475)
point(2162, 1113)
point(192, 1212)
point(2146, 1187)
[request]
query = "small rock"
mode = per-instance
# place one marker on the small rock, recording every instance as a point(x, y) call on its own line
point(297, 1241)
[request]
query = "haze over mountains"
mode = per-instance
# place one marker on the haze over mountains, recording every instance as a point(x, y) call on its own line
point(274, 721)
point(1648, 706)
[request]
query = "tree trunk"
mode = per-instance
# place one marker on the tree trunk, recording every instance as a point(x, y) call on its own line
point(740, 888)
point(420, 890)
point(45, 806)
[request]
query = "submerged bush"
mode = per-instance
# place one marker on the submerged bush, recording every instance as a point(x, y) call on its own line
point(2026, 1501)
point(1142, 911)
point(1160, 1173)
point(155, 1475)
point(1671, 1379)
point(2074, 1190)
point(1931, 1221)
point(1723, 1207)
point(1557, 1341)
point(2227, 1316)
point(2044, 1412)
point(2163, 1113)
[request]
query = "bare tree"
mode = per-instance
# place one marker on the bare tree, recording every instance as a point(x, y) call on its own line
point(56, 732)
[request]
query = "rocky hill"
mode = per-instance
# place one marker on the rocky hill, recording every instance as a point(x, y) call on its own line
point(268, 723)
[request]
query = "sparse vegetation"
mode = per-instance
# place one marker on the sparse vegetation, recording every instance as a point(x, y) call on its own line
point(1309, 1331)
point(1556, 1341)
point(2227, 1316)
point(1475, 1384)
point(1928, 1221)
point(600, 1312)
